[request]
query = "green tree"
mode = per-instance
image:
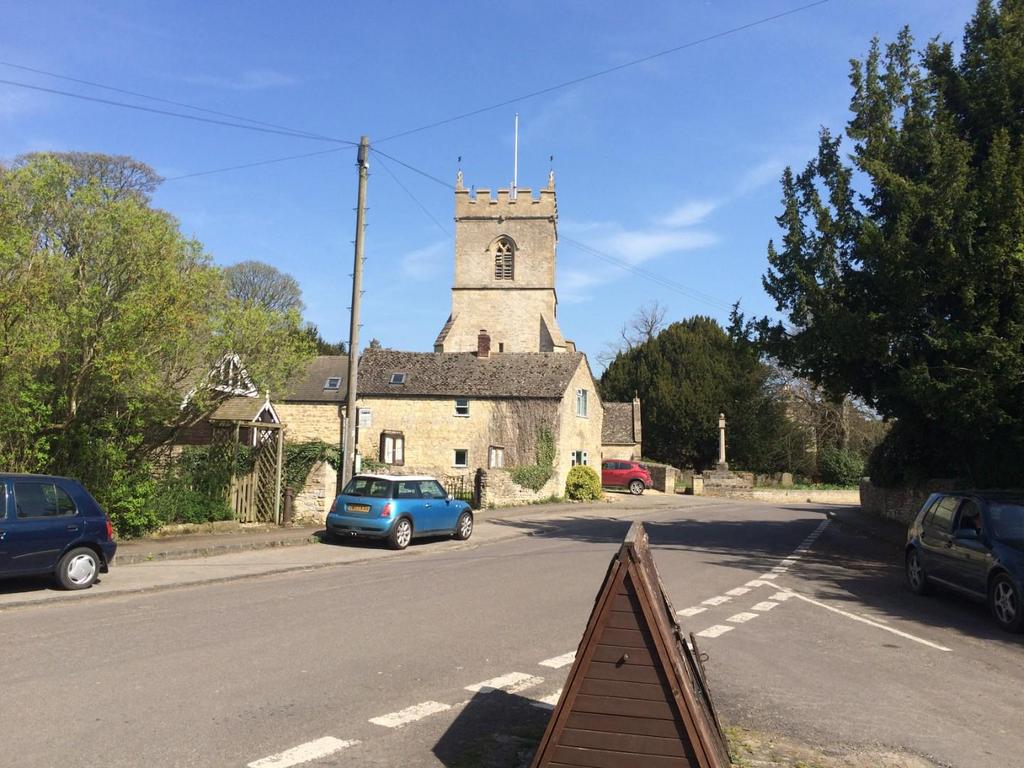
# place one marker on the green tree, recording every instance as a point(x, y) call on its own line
point(263, 285)
point(900, 272)
point(689, 373)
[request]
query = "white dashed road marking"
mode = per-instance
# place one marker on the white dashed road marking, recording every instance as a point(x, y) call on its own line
point(767, 605)
point(559, 661)
point(548, 702)
point(742, 618)
point(737, 591)
point(716, 600)
point(513, 682)
point(311, 750)
point(410, 714)
point(781, 596)
point(715, 631)
point(691, 611)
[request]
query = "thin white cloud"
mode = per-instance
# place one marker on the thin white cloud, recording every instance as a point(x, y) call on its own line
point(690, 213)
point(425, 263)
point(250, 80)
point(765, 172)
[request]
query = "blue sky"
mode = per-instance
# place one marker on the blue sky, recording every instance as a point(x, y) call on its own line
point(671, 166)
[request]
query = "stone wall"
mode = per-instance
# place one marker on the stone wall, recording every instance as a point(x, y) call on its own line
point(663, 475)
point(791, 495)
point(313, 502)
point(311, 421)
point(900, 503)
point(496, 489)
point(621, 452)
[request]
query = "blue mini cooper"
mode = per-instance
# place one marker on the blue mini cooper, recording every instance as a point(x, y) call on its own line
point(397, 508)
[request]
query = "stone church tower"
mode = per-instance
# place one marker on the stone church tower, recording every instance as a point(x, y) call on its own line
point(504, 291)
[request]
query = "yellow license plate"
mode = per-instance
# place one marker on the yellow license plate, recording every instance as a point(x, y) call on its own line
point(358, 508)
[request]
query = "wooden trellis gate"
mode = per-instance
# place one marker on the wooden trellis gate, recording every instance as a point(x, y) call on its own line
point(256, 497)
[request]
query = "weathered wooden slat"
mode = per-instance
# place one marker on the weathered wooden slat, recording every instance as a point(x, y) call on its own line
point(607, 705)
point(619, 724)
point(624, 742)
point(624, 602)
point(625, 689)
point(628, 671)
point(593, 758)
point(622, 620)
point(613, 653)
point(628, 638)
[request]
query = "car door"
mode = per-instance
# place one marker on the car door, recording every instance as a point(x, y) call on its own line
point(5, 559)
point(409, 501)
point(608, 473)
point(438, 511)
point(970, 549)
point(44, 523)
point(937, 539)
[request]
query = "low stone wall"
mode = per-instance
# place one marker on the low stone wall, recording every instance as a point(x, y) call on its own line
point(313, 502)
point(496, 489)
point(663, 476)
point(903, 503)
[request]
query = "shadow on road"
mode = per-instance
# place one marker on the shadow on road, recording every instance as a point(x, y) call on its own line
point(493, 730)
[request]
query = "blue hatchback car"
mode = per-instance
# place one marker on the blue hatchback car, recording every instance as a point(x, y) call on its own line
point(52, 525)
point(973, 543)
point(397, 508)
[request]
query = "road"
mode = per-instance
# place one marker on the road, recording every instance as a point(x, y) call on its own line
point(392, 661)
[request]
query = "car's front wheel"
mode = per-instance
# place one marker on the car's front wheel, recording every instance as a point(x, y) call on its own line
point(1004, 601)
point(78, 569)
point(636, 487)
point(401, 534)
point(464, 528)
point(917, 578)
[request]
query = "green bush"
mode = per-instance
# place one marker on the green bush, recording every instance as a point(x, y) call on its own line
point(840, 466)
point(583, 484)
point(129, 504)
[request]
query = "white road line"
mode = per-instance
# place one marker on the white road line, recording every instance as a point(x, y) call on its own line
point(311, 750)
point(716, 600)
point(780, 569)
point(871, 623)
point(737, 592)
point(759, 583)
point(767, 605)
point(548, 702)
point(410, 714)
point(691, 611)
point(769, 575)
point(781, 596)
point(513, 682)
point(558, 662)
point(742, 618)
point(715, 631)
point(789, 560)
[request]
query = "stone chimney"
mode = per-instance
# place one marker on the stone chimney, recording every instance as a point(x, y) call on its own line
point(483, 344)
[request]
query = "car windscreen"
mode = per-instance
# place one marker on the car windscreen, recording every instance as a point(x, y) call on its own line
point(368, 486)
point(1007, 522)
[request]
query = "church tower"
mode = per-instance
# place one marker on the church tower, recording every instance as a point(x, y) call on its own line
point(504, 272)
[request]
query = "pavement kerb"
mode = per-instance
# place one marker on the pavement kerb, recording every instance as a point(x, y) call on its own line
point(500, 533)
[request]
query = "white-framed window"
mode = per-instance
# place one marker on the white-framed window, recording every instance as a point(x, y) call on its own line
point(462, 406)
point(495, 457)
point(461, 457)
point(392, 448)
point(581, 402)
point(397, 378)
point(333, 383)
point(579, 457)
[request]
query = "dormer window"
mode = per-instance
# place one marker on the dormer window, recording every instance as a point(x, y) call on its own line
point(397, 378)
point(504, 259)
point(333, 383)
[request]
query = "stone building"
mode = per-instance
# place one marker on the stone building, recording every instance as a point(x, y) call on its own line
point(450, 413)
point(622, 434)
point(504, 272)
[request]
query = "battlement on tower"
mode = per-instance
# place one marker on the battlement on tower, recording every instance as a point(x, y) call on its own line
point(481, 203)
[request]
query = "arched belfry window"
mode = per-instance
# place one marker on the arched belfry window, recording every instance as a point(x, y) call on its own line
point(504, 259)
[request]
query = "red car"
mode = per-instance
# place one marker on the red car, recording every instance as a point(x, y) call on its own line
point(625, 474)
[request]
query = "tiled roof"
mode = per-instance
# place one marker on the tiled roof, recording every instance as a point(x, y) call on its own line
point(517, 374)
point(617, 428)
point(308, 386)
point(239, 409)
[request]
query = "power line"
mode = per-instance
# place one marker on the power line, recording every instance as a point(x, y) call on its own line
point(398, 181)
point(443, 183)
point(654, 277)
point(180, 115)
point(140, 95)
point(608, 71)
point(258, 162)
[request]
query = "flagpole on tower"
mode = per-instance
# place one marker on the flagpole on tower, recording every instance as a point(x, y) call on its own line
point(515, 161)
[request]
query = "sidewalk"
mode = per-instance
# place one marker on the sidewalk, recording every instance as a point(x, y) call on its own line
point(147, 565)
point(881, 528)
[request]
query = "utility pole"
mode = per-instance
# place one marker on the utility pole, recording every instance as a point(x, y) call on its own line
point(348, 424)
